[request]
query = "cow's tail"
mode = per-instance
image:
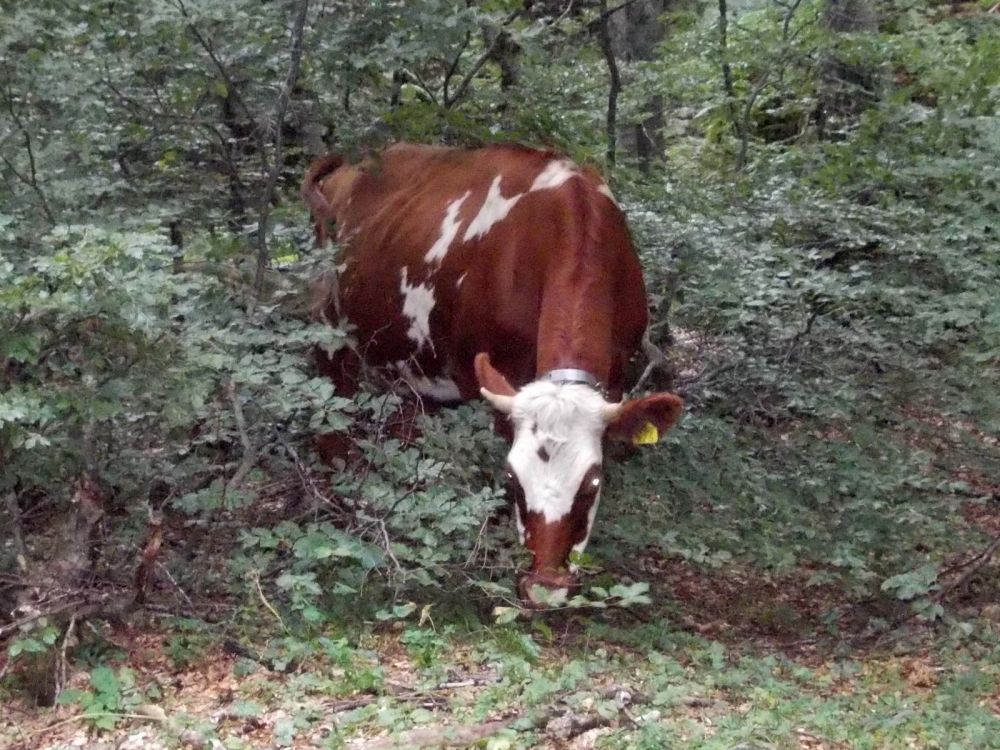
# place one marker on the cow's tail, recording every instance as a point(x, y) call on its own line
point(319, 206)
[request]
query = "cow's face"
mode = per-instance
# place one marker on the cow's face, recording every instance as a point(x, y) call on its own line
point(554, 468)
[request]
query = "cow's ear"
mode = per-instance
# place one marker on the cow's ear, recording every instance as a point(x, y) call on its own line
point(313, 195)
point(644, 420)
point(489, 378)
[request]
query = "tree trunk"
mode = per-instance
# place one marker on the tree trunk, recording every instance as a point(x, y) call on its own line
point(847, 88)
point(844, 16)
point(636, 31)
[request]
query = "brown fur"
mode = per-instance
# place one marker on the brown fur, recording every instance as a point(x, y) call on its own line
point(556, 283)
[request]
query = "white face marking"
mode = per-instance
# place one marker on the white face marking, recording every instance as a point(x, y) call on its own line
point(449, 229)
point(418, 301)
point(461, 279)
point(554, 175)
point(495, 208)
point(579, 547)
point(605, 190)
point(566, 420)
point(438, 389)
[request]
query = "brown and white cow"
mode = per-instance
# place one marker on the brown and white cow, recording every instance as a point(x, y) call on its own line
point(507, 272)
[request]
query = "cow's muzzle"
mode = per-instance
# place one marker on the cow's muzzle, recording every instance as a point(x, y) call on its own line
point(555, 586)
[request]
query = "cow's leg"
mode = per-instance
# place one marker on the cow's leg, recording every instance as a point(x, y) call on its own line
point(343, 367)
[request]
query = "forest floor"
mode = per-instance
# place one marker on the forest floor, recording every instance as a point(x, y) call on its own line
point(724, 657)
point(727, 659)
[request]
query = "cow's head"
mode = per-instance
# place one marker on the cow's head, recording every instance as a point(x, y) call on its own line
point(554, 467)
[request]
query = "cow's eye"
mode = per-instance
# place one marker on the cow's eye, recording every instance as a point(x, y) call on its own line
point(509, 475)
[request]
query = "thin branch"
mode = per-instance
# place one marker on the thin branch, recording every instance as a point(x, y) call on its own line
point(611, 124)
point(453, 68)
point(32, 178)
point(412, 77)
point(657, 360)
point(478, 65)
point(743, 126)
point(800, 335)
point(209, 48)
point(266, 603)
point(789, 13)
point(280, 108)
point(566, 11)
point(166, 572)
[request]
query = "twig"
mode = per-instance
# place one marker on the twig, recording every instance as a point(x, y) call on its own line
point(566, 11)
point(972, 566)
point(414, 77)
point(799, 335)
point(266, 603)
point(267, 194)
point(150, 553)
point(440, 736)
point(707, 375)
point(87, 716)
point(249, 453)
point(388, 545)
point(17, 532)
point(38, 614)
point(166, 571)
point(656, 357)
point(59, 678)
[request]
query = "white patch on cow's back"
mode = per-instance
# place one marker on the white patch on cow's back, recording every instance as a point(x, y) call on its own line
point(567, 421)
point(494, 209)
point(449, 229)
point(603, 189)
point(418, 301)
point(437, 388)
point(556, 172)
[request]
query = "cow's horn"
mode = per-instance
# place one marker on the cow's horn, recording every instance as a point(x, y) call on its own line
point(610, 412)
point(503, 404)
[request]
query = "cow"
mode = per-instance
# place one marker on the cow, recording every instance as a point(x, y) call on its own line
point(505, 272)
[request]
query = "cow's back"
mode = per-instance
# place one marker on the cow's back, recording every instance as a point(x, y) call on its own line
point(452, 252)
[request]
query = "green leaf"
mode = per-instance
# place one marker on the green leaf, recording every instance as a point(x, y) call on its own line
point(918, 582)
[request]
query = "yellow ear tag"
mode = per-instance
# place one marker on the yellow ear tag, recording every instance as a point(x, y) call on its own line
point(647, 435)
